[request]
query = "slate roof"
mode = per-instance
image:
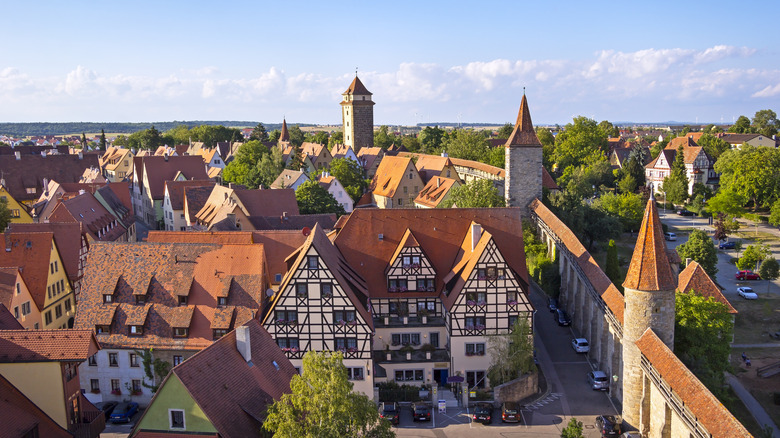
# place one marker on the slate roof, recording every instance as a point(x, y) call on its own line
point(161, 169)
point(163, 272)
point(30, 252)
point(435, 191)
point(233, 394)
point(523, 135)
point(706, 408)
point(175, 191)
point(695, 278)
point(21, 346)
point(19, 415)
point(389, 174)
point(650, 269)
point(357, 87)
point(601, 283)
point(31, 170)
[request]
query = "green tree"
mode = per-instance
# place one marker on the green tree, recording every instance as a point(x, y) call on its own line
point(700, 248)
point(728, 202)
point(296, 158)
point(512, 353)
point(102, 140)
point(714, 146)
point(505, 131)
point(259, 133)
point(319, 137)
point(467, 144)
point(5, 214)
point(323, 405)
point(479, 193)
point(741, 126)
point(613, 267)
point(274, 135)
point(336, 138)
point(244, 168)
point(269, 167)
point(598, 226)
point(769, 271)
point(609, 129)
point(350, 174)
point(296, 135)
point(702, 332)
point(774, 213)
point(752, 256)
point(676, 184)
point(155, 369)
point(382, 138)
point(314, 199)
point(658, 147)
point(741, 174)
point(580, 142)
point(573, 429)
point(628, 208)
point(431, 138)
point(548, 146)
point(724, 226)
point(765, 122)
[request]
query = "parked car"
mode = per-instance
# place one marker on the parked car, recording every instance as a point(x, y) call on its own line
point(389, 411)
point(580, 345)
point(747, 293)
point(561, 317)
point(598, 380)
point(107, 407)
point(483, 413)
point(123, 412)
point(631, 434)
point(608, 425)
point(727, 245)
point(552, 304)
point(510, 412)
point(747, 275)
point(421, 411)
point(685, 212)
point(670, 236)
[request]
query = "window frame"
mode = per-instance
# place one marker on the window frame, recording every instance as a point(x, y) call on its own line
point(171, 425)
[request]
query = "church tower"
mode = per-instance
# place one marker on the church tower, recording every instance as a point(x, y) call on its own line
point(357, 114)
point(523, 162)
point(649, 296)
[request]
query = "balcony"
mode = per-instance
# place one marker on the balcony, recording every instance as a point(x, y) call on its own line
point(418, 355)
point(411, 321)
point(92, 421)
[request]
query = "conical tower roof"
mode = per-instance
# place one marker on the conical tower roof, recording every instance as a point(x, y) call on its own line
point(650, 269)
point(356, 87)
point(285, 136)
point(523, 135)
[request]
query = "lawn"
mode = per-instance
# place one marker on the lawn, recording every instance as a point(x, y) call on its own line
point(757, 318)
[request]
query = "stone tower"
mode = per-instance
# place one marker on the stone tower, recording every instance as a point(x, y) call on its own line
point(357, 114)
point(523, 162)
point(649, 296)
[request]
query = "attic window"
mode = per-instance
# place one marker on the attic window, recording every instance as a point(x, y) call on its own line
point(181, 332)
point(108, 298)
point(140, 299)
point(218, 333)
point(278, 278)
point(312, 262)
point(29, 244)
point(136, 330)
point(182, 300)
point(102, 329)
point(222, 301)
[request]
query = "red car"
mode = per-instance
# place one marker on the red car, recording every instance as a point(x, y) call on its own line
point(747, 275)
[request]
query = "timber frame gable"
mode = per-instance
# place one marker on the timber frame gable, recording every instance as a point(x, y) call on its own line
point(410, 270)
point(317, 306)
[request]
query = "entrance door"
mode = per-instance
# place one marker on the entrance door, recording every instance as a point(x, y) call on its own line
point(444, 374)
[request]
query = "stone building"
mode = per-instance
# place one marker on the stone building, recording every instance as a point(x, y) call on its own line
point(523, 162)
point(357, 113)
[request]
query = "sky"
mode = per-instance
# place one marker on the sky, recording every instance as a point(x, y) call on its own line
point(424, 61)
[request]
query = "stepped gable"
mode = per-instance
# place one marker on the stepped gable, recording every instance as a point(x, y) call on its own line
point(650, 269)
point(704, 406)
point(523, 135)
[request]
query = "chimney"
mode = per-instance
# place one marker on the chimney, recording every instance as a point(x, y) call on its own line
point(43, 154)
point(476, 234)
point(438, 182)
point(688, 261)
point(230, 185)
point(81, 155)
point(18, 155)
point(444, 154)
point(242, 343)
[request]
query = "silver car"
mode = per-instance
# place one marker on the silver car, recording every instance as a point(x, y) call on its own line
point(598, 380)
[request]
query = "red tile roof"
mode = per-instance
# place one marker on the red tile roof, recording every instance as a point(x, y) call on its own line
point(67, 237)
point(19, 346)
point(390, 174)
point(598, 279)
point(523, 134)
point(96, 220)
point(195, 198)
point(650, 269)
point(30, 252)
point(435, 191)
point(695, 278)
point(175, 191)
point(706, 408)
point(20, 416)
point(356, 87)
point(30, 171)
point(7, 320)
point(161, 169)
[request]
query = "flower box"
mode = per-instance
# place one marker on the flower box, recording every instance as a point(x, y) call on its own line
point(116, 392)
point(280, 321)
point(353, 322)
point(136, 392)
point(512, 302)
point(392, 289)
point(415, 265)
point(342, 322)
point(403, 288)
point(481, 277)
point(471, 302)
point(301, 295)
point(96, 391)
point(407, 266)
point(481, 303)
point(479, 327)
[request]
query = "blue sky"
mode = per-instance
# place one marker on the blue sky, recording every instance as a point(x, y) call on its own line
point(424, 61)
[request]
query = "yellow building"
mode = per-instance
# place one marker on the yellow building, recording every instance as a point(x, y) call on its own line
point(117, 164)
point(16, 296)
point(396, 183)
point(18, 211)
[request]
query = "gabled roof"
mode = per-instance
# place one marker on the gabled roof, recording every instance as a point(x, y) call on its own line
point(293, 222)
point(161, 169)
point(369, 155)
point(523, 135)
point(287, 178)
point(7, 320)
point(668, 155)
point(116, 196)
point(650, 269)
point(407, 241)
point(695, 278)
point(313, 150)
point(285, 134)
point(89, 211)
point(195, 198)
point(357, 87)
point(465, 263)
point(20, 416)
point(733, 138)
point(351, 282)
point(435, 191)
point(389, 174)
point(67, 237)
point(706, 408)
point(21, 346)
point(233, 394)
point(341, 151)
point(30, 171)
point(175, 191)
point(266, 202)
point(31, 253)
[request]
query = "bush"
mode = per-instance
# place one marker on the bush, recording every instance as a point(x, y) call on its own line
point(393, 392)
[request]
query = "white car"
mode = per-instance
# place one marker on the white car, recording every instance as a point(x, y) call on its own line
point(747, 293)
point(580, 345)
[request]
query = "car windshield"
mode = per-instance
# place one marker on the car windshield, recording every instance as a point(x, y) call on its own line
point(121, 409)
point(600, 378)
point(421, 409)
point(747, 289)
point(389, 408)
point(510, 409)
point(483, 409)
point(583, 343)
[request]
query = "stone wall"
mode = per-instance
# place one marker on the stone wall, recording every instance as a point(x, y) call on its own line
point(523, 181)
point(363, 125)
point(518, 389)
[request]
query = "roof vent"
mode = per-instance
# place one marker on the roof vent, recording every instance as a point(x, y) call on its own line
point(381, 236)
point(476, 234)
point(242, 343)
point(276, 365)
point(18, 155)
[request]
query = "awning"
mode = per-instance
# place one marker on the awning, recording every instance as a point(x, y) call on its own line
point(455, 379)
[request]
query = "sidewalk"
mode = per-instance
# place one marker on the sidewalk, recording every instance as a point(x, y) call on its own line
point(752, 404)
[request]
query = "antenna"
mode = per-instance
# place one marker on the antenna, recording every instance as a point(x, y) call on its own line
point(523, 91)
point(356, 69)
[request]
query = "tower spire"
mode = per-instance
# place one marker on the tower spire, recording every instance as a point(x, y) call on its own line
point(524, 133)
point(650, 269)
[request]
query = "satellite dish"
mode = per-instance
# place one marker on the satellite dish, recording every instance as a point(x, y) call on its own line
point(306, 231)
point(269, 293)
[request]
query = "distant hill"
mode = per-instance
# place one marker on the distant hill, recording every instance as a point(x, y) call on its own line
point(48, 128)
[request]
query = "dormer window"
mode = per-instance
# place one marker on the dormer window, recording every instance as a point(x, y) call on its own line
point(222, 301)
point(103, 329)
point(108, 298)
point(136, 330)
point(218, 333)
point(183, 300)
point(140, 299)
point(181, 332)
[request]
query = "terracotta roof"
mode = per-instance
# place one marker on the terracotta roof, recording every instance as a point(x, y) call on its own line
point(668, 155)
point(233, 394)
point(31, 170)
point(285, 134)
point(214, 172)
point(547, 181)
point(117, 198)
point(598, 279)
point(294, 222)
point(175, 190)
point(706, 408)
point(439, 232)
point(195, 198)
point(690, 152)
point(695, 278)
point(312, 149)
point(19, 346)
point(278, 245)
point(8, 285)
point(435, 191)
point(19, 415)
point(234, 238)
point(685, 141)
point(340, 151)
point(389, 174)
point(163, 272)
point(650, 269)
point(161, 169)
point(523, 134)
point(7, 320)
point(368, 155)
point(30, 252)
point(97, 221)
point(356, 87)
point(268, 202)
point(732, 138)
point(67, 237)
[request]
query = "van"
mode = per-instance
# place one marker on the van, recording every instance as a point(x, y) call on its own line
point(670, 236)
